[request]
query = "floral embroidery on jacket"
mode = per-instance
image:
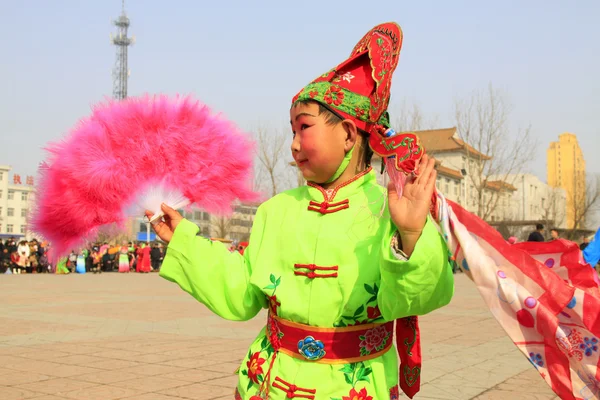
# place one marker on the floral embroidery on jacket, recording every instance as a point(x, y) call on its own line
point(353, 374)
point(356, 372)
point(273, 303)
point(255, 370)
point(254, 366)
point(360, 395)
point(373, 314)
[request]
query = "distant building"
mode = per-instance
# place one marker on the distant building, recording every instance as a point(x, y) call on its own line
point(16, 201)
point(200, 218)
point(236, 227)
point(456, 163)
point(566, 169)
point(535, 200)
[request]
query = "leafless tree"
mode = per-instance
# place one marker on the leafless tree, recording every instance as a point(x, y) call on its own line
point(272, 151)
point(584, 205)
point(553, 208)
point(221, 226)
point(482, 122)
point(113, 234)
point(410, 117)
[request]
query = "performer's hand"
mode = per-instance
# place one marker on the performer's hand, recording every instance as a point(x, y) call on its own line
point(165, 226)
point(409, 213)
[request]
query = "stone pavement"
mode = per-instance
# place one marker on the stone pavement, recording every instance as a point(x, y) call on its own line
point(139, 337)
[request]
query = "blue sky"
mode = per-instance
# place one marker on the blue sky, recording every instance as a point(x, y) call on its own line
point(247, 59)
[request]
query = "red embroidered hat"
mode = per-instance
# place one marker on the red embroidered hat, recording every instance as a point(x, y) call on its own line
point(359, 88)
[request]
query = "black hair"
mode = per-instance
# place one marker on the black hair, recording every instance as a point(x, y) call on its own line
point(539, 227)
point(333, 118)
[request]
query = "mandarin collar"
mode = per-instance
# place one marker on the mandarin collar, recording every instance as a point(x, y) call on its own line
point(342, 190)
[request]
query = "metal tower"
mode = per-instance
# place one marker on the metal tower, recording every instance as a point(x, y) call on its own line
point(120, 72)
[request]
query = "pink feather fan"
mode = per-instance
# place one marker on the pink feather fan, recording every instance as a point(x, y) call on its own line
point(129, 147)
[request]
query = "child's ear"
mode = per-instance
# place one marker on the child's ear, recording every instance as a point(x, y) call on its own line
point(351, 134)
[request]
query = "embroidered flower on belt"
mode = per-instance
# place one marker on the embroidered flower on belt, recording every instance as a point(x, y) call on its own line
point(374, 339)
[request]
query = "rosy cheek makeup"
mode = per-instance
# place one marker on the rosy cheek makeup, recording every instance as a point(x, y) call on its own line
point(308, 145)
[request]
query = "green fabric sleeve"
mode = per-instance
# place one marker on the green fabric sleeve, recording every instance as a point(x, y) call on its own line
point(420, 285)
point(214, 276)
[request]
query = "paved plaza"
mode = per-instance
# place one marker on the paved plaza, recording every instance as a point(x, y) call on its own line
point(139, 337)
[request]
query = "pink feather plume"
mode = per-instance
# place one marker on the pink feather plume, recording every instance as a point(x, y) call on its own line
point(92, 176)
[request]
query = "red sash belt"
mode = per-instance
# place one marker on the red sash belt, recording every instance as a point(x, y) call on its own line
point(331, 345)
point(352, 344)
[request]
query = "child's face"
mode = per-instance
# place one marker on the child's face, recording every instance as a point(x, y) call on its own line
point(317, 148)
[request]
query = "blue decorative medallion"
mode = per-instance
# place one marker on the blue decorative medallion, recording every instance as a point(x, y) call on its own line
point(311, 349)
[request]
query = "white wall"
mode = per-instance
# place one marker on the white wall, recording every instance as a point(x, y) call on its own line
point(535, 200)
point(4, 169)
point(16, 204)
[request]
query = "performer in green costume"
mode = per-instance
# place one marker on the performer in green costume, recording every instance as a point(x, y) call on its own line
point(61, 266)
point(337, 261)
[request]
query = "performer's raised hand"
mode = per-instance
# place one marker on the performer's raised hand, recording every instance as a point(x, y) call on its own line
point(409, 212)
point(165, 226)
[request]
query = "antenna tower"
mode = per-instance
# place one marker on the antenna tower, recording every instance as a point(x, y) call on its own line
point(121, 72)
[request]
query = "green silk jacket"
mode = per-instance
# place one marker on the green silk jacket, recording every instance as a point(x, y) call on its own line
point(350, 229)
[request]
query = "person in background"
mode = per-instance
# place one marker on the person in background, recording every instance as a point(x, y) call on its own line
point(44, 264)
point(33, 263)
point(144, 259)
point(124, 258)
point(34, 257)
point(5, 261)
point(89, 261)
point(12, 245)
point(14, 262)
point(537, 235)
point(72, 261)
point(156, 256)
point(584, 243)
point(132, 257)
point(591, 253)
point(41, 251)
point(80, 263)
point(554, 234)
point(23, 252)
point(96, 261)
point(107, 262)
point(104, 248)
point(61, 266)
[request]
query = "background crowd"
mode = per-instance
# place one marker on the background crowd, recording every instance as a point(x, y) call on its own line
point(20, 257)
